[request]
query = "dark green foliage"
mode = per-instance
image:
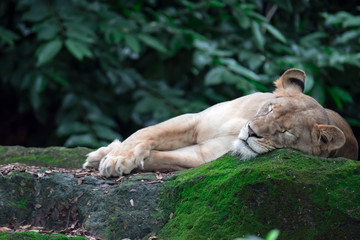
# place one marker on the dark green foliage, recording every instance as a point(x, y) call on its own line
point(89, 70)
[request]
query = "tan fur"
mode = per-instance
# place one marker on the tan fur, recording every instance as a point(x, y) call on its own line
point(247, 126)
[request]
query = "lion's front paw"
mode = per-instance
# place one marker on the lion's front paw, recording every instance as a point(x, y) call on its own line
point(93, 158)
point(116, 163)
point(116, 166)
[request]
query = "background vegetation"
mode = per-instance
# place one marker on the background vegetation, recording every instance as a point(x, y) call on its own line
point(82, 72)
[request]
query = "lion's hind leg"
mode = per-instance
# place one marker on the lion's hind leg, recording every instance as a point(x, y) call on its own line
point(93, 158)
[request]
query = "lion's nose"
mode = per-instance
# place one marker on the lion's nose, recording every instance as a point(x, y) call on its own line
point(251, 132)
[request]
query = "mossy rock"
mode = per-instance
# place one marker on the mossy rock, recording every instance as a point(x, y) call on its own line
point(51, 156)
point(305, 197)
point(103, 207)
point(16, 197)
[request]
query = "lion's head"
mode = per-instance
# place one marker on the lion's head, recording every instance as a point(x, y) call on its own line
point(290, 120)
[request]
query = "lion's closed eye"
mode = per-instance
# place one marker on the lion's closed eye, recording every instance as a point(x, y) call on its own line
point(270, 108)
point(288, 133)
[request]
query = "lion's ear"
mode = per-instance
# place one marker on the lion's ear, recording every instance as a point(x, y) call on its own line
point(291, 82)
point(330, 137)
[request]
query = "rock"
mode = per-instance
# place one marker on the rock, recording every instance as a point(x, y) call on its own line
point(102, 206)
point(37, 236)
point(305, 197)
point(51, 156)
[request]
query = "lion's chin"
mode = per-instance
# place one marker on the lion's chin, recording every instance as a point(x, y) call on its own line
point(243, 150)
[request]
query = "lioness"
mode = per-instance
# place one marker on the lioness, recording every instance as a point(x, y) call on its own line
point(247, 126)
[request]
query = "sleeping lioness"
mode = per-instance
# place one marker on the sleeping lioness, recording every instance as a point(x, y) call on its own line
point(247, 126)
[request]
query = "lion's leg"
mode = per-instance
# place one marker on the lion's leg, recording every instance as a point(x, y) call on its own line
point(180, 159)
point(172, 134)
point(93, 158)
point(188, 157)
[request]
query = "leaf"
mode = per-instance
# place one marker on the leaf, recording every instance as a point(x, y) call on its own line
point(80, 32)
point(40, 84)
point(336, 99)
point(101, 119)
point(347, 36)
point(48, 51)
point(105, 132)
point(132, 43)
point(201, 59)
point(313, 39)
point(76, 35)
point(259, 37)
point(152, 42)
point(272, 235)
point(113, 35)
point(36, 13)
point(353, 21)
point(234, 66)
point(335, 19)
point(353, 122)
point(214, 76)
point(148, 104)
point(341, 94)
point(276, 33)
point(81, 140)
point(205, 45)
point(69, 100)
point(309, 83)
point(26, 81)
point(8, 36)
point(46, 30)
point(253, 60)
point(69, 128)
point(221, 53)
point(177, 42)
point(242, 19)
point(256, 16)
point(78, 49)
point(57, 77)
point(217, 4)
point(35, 98)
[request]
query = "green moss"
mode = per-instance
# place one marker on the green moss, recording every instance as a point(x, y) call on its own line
point(21, 187)
point(37, 236)
point(304, 196)
point(4, 236)
point(31, 159)
point(52, 156)
point(20, 204)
